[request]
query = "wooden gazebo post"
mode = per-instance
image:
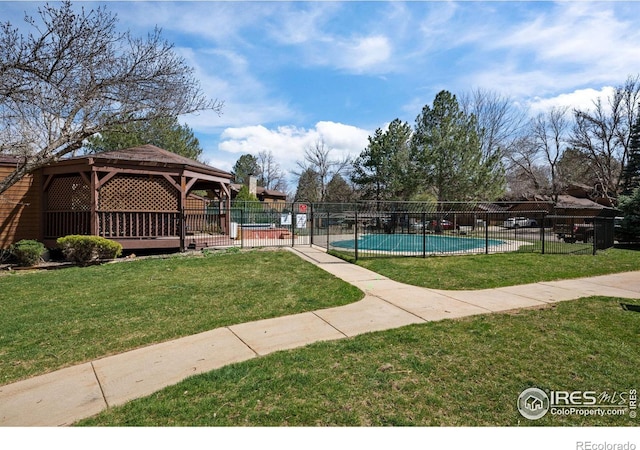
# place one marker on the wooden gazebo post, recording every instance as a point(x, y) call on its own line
point(93, 187)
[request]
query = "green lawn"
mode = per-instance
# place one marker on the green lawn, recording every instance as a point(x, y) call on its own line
point(465, 372)
point(53, 319)
point(505, 269)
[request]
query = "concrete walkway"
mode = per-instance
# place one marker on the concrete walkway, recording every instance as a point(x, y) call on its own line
point(67, 395)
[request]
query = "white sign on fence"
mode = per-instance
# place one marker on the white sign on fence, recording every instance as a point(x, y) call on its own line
point(285, 219)
point(301, 221)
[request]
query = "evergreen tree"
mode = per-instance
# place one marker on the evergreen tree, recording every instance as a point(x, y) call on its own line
point(309, 187)
point(447, 155)
point(245, 196)
point(631, 172)
point(630, 207)
point(338, 190)
point(245, 165)
point(163, 132)
point(381, 170)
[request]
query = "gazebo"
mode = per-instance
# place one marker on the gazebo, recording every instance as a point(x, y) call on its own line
point(141, 197)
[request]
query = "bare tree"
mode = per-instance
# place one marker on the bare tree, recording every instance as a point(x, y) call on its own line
point(317, 159)
point(603, 134)
point(75, 75)
point(526, 173)
point(550, 137)
point(499, 120)
point(270, 174)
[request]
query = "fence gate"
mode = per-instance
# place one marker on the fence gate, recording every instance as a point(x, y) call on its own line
point(248, 224)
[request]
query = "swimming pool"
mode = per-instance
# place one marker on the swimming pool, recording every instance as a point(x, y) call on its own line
point(417, 243)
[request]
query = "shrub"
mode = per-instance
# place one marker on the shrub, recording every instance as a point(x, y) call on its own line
point(28, 252)
point(630, 207)
point(85, 249)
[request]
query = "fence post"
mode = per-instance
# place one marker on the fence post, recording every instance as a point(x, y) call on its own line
point(293, 224)
point(328, 228)
point(355, 242)
point(544, 217)
point(595, 235)
point(486, 233)
point(240, 228)
point(424, 234)
point(311, 215)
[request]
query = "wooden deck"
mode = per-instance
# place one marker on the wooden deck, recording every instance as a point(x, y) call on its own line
point(142, 229)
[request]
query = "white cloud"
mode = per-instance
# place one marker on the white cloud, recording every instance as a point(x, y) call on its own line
point(580, 99)
point(288, 143)
point(573, 44)
point(296, 25)
point(365, 53)
point(226, 75)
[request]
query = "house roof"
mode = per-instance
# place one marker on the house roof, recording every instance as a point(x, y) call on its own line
point(571, 202)
point(260, 191)
point(8, 160)
point(491, 207)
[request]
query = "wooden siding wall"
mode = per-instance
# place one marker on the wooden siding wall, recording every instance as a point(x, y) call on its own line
point(20, 209)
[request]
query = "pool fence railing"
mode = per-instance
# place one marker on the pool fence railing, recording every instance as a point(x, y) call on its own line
point(420, 229)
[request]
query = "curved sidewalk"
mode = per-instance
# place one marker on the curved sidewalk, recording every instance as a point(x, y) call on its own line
point(67, 395)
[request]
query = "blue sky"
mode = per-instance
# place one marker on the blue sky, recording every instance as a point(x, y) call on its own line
point(292, 73)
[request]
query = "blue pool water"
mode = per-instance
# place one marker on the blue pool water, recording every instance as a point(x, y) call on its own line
point(414, 243)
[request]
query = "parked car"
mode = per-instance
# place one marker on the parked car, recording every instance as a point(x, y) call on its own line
point(571, 233)
point(436, 225)
point(441, 225)
point(446, 225)
point(519, 222)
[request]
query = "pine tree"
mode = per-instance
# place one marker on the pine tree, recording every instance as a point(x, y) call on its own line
point(309, 187)
point(631, 171)
point(380, 171)
point(245, 165)
point(164, 132)
point(447, 154)
point(338, 190)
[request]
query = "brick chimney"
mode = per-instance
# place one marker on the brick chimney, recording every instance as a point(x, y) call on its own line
point(252, 184)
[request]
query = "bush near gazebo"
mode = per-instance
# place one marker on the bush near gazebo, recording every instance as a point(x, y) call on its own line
point(28, 252)
point(85, 249)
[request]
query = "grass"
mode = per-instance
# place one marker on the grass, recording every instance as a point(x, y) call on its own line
point(506, 269)
point(465, 372)
point(53, 319)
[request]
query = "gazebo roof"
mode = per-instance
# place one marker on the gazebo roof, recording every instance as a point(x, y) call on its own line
point(150, 155)
point(143, 155)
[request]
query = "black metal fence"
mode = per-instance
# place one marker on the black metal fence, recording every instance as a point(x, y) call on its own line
point(425, 229)
point(249, 224)
point(370, 229)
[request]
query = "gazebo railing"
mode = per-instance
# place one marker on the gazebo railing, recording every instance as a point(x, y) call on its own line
point(139, 224)
point(114, 224)
point(63, 223)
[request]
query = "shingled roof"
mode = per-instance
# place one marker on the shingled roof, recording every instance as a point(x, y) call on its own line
point(147, 155)
point(151, 155)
